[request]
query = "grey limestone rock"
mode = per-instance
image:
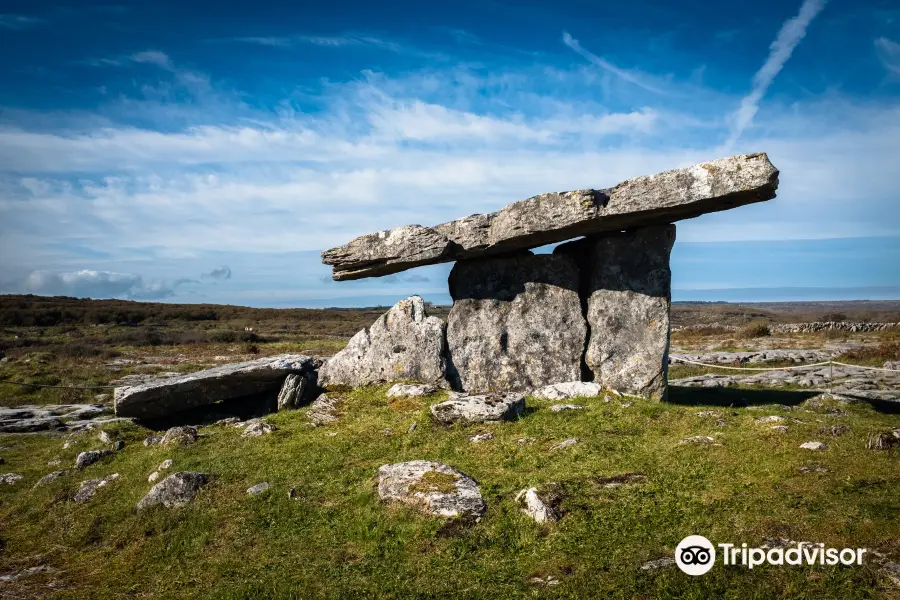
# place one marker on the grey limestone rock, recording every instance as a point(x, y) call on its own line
point(516, 323)
point(554, 217)
point(568, 390)
point(175, 490)
point(88, 488)
point(296, 390)
point(403, 343)
point(432, 487)
point(88, 458)
point(461, 408)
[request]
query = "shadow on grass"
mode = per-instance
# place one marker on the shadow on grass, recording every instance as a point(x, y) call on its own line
point(737, 397)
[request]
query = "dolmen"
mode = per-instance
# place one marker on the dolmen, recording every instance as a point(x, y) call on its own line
point(595, 309)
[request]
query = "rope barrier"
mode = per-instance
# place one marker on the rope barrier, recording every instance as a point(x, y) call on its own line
point(794, 368)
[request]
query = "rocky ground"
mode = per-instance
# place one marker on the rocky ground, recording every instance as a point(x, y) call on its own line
point(571, 491)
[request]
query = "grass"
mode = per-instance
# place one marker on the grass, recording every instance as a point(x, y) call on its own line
point(338, 540)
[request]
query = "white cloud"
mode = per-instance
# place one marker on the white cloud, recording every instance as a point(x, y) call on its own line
point(889, 53)
point(791, 33)
point(88, 283)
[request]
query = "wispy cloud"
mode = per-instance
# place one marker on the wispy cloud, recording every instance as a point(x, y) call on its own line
point(624, 74)
point(329, 41)
point(889, 53)
point(791, 33)
point(223, 272)
point(8, 21)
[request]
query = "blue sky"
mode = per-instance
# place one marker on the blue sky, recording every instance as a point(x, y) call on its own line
point(189, 153)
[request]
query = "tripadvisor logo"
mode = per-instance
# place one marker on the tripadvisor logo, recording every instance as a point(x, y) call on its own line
point(696, 555)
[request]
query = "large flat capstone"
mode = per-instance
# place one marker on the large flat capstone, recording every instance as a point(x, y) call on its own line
point(626, 282)
point(516, 323)
point(555, 217)
point(165, 396)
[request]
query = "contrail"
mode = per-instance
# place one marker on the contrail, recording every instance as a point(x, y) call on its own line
point(791, 33)
point(572, 43)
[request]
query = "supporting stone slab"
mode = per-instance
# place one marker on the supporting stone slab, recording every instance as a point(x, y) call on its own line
point(516, 323)
point(626, 282)
point(555, 217)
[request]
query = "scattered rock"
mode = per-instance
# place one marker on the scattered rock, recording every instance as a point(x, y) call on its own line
point(403, 343)
point(53, 462)
point(179, 436)
point(779, 428)
point(891, 570)
point(175, 490)
point(434, 488)
point(88, 458)
point(659, 563)
point(411, 428)
point(834, 430)
point(326, 409)
point(548, 581)
point(884, 440)
point(25, 573)
point(535, 506)
point(813, 469)
point(388, 431)
point(708, 413)
point(565, 407)
point(461, 408)
point(565, 444)
point(568, 390)
point(10, 478)
point(89, 488)
point(228, 421)
point(165, 464)
point(293, 494)
point(258, 428)
point(526, 441)
point(153, 476)
point(162, 396)
point(153, 440)
point(105, 437)
point(296, 390)
point(258, 489)
point(406, 390)
point(813, 446)
point(770, 419)
point(119, 445)
point(516, 323)
point(481, 437)
point(50, 477)
point(700, 439)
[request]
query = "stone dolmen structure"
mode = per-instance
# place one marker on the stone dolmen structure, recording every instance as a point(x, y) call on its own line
point(596, 309)
point(593, 314)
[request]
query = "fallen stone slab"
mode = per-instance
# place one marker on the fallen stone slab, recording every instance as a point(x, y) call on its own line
point(515, 324)
point(175, 490)
point(431, 487)
point(555, 217)
point(164, 396)
point(461, 408)
point(568, 390)
point(626, 280)
point(403, 343)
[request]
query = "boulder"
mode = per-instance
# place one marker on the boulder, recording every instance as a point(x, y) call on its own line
point(568, 390)
point(403, 343)
point(88, 458)
point(516, 323)
point(296, 390)
point(258, 428)
point(461, 408)
point(175, 490)
point(179, 436)
point(405, 390)
point(88, 488)
point(258, 489)
point(432, 487)
point(555, 217)
point(163, 396)
point(626, 282)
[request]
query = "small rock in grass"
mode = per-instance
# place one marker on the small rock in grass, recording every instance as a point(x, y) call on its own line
point(834, 430)
point(165, 464)
point(565, 407)
point(770, 419)
point(152, 440)
point(659, 563)
point(411, 428)
point(388, 431)
point(481, 437)
point(700, 439)
point(565, 444)
point(707, 413)
point(175, 490)
point(293, 494)
point(50, 477)
point(813, 446)
point(568, 390)
point(258, 489)
point(54, 462)
point(10, 478)
point(620, 480)
point(539, 508)
point(227, 421)
point(526, 441)
point(462, 408)
point(119, 445)
point(258, 429)
point(404, 390)
point(884, 440)
point(548, 581)
point(89, 488)
point(180, 436)
point(779, 428)
point(85, 459)
point(105, 437)
point(813, 469)
point(432, 487)
point(153, 476)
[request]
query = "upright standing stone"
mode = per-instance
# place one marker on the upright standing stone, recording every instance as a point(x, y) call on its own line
point(403, 343)
point(516, 323)
point(627, 283)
